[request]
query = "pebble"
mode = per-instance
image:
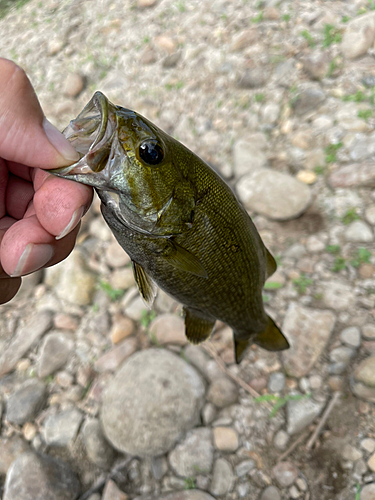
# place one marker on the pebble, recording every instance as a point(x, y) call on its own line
point(308, 331)
point(225, 439)
point(97, 447)
point(116, 256)
point(353, 176)
point(368, 444)
point(310, 99)
point(23, 339)
point(371, 463)
point(73, 85)
point(29, 431)
point(358, 36)
point(270, 493)
point(249, 155)
point(55, 46)
point(301, 413)
point(40, 477)
point(113, 358)
point(54, 353)
point(315, 382)
point(341, 355)
point(222, 478)
point(10, 449)
point(243, 489)
point(187, 495)
point(367, 492)
point(271, 113)
point(370, 215)
point(316, 65)
point(306, 176)
point(252, 78)
point(25, 403)
point(147, 3)
point(274, 194)
point(351, 453)
point(359, 232)
point(351, 336)
point(112, 492)
point(222, 392)
point(135, 310)
point(244, 39)
point(244, 467)
point(368, 331)
point(337, 295)
point(64, 321)
point(194, 455)
point(285, 473)
point(165, 43)
point(122, 278)
point(168, 329)
point(281, 440)
point(61, 429)
point(122, 328)
point(167, 395)
point(276, 382)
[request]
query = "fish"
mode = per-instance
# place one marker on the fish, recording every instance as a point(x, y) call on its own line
point(181, 224)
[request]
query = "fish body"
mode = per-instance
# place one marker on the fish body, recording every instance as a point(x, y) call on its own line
point(179, 222)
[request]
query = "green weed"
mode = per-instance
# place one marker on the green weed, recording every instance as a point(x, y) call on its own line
point(280, 401)
point(309, 38)
point(358, 492)
point(359, 96)
point(334, 249)
point(331, 151)
point(302, 283)
point(258, 18)
point(331, 35)
point(259, 97)
point(177, 85)
point(147, 318)
point(345, 19)
point(350, 216)
point(286, 17)
point(320, 170)
point(272, 285)
point(364, 113)
point(339, 264)
point(362, 256)
point(113, 293)
point(189, 483)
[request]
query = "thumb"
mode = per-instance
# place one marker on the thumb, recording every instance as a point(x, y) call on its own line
point(26, 136)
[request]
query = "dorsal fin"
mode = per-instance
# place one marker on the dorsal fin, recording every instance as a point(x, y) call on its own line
point(146, 286)
point(197, 329)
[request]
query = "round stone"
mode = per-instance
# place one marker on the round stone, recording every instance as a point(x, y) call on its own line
point(285, 473)
point(222, 392)
point(270, 493)
point(351, 336)
point(368, 492)
point(225, 439)
point(154, 398)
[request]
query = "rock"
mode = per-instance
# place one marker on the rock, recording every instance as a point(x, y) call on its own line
point(225, 439)
point(71, 279)
point(337, 295)
point(113, 358)
point(55, 45)
point(285, 473)
point(314, 244)
point(367, 492)
point(222, 478)
point(351, 453)
point(248, 154)
point(64, 321)
point(300, 413)
point(194, 455)
point(244, 39)
point(316, 65)
point(29, 431)
point(270, 113)
point(146, 3)
point(369, 331)
point(362, 147)
point(121, 329)
point(98, 449)
point(40, 477)
point(274, 194)
point(281, 440)
point(61, 429)
point(358, 36)
point(136, 309)
point(222, 392)
point(24, 404)
point(54, 353)
point(244, 467)
point(365, 372)
point(116, 256)
point(370, 215)
point(167, 395)
point(10, 449)
point(252, 78)
point(341, 354)
point(306, 176)
point(73, 85)
point(187, 495)
point(368, 445)
point(168, 329)
point(359, 232)
point(308, 331)
point(122, 278)
point(171, 60)
point(23, 339)
point(276, 382)
point(308, 100)
point(165, 43)
point(351, 336)
point(353, 176)
point(111, 490)
point(270, 493)
point(371, 463)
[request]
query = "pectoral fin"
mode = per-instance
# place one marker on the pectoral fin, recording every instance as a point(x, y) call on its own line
point(184, 260)
point(147, 288)
point(271, 264)
point(271, 338)
point(197, 329)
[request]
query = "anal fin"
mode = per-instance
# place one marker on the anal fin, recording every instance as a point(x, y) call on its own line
point(271, 338)
point(146, 286)
point(197, 329)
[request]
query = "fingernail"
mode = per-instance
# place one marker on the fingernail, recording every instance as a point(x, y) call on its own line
point(33, 258)
point(59, 142)
point(76, 217)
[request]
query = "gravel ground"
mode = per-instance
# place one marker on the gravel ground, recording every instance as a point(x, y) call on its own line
point(101, 398)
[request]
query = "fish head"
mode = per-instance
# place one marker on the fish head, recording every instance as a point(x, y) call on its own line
point(129, 161)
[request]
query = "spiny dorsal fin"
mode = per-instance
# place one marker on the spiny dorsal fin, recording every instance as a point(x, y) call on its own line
point(271, 264)
point(184, 260)
point(271, 338)
point(146, 286)
point(197, 329)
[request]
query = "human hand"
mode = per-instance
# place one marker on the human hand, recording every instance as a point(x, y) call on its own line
point(39, 213)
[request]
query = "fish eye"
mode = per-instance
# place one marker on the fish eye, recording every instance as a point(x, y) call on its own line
point(151, 152)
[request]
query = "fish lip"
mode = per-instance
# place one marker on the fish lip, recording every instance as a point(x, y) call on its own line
point(91, 133)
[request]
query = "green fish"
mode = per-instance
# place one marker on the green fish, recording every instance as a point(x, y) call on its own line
point(180, 223)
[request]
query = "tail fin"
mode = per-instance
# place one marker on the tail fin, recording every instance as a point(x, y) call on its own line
point(271, 339)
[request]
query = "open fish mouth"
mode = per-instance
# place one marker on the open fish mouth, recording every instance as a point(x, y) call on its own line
point(92, 135)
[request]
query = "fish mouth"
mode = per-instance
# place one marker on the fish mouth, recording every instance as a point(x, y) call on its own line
point(93, 136)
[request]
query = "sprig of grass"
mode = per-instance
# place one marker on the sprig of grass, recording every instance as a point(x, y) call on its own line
point(350, 216)
point(331, 35)
point(359, 96)
point(302, 283)
point(280, 401)
point(334, 249)
point(331, 151)
point(339, 264)
point(272, 285)
point(189, 483)
point(362, 256)
point(309, 38)
point(147, 317)
point(113, 293)
point(365, 114)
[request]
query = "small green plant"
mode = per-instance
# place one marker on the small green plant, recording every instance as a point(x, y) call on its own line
point(286, 17)
point(331, 35)
point(334, 249)
point(181, 6)
point(359, 96)
point(113, 293)
point(362, 256)
point(345, 19)
point(333, 66)
point(147, 317)
point(339, 264)
point(189, 483)
point(309, 38)
point(177, 85)
point(272, 285)
point(302, 283)
point(258, 18)
point(331, 151)
point(266, 297)
point(365, 114)
point(259, 97)
point(350, 216)
point(280, 401)
point(358, 492)
point(319, 170)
